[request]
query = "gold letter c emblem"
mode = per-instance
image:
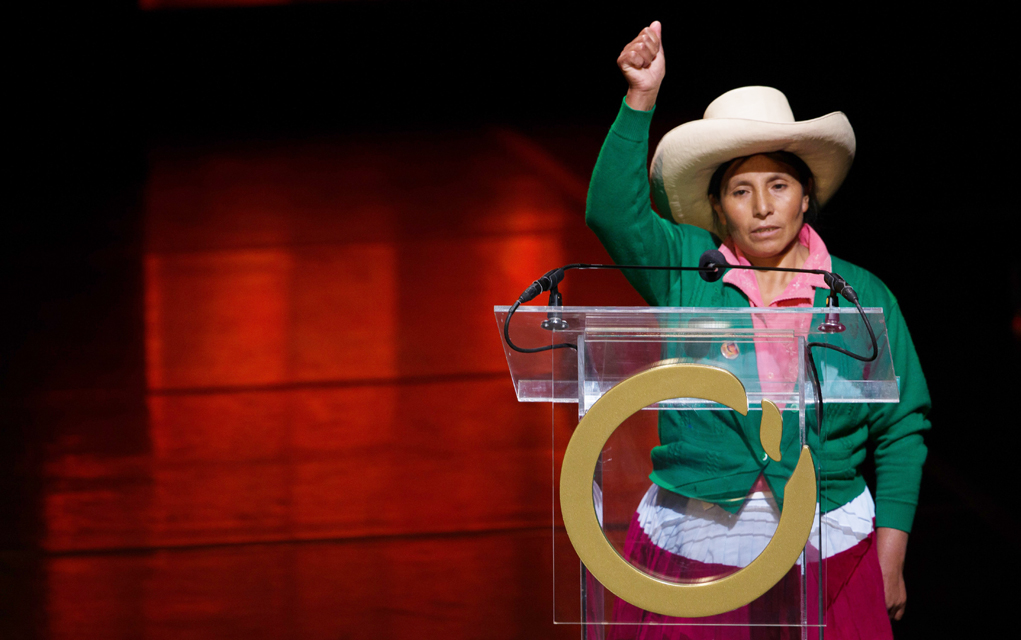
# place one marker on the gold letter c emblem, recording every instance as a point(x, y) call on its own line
point(698, 599)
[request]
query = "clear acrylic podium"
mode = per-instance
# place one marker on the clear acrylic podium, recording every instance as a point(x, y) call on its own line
point(676, 536)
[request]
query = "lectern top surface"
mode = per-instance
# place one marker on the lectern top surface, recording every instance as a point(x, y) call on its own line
point(613, 343)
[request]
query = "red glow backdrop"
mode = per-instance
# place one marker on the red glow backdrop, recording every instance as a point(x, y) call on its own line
point(323, 367)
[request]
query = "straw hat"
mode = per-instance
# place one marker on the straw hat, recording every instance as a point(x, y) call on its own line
point(744, 122)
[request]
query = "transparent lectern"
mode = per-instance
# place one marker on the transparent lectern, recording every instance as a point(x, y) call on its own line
point(693, 457)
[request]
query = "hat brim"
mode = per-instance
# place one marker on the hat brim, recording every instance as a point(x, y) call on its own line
point(688, 155)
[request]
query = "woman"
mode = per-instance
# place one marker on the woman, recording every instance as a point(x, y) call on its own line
point(751, 174)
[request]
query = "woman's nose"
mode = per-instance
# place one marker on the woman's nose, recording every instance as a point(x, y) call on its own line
point(763, 204)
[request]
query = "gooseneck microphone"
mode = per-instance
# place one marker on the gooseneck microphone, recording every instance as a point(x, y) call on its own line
point(548, 282)
point(714, 264)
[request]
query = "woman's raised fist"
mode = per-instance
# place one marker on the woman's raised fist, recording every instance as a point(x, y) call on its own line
point(642, 64)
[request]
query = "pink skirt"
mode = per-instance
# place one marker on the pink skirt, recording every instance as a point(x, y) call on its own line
point(855, 601)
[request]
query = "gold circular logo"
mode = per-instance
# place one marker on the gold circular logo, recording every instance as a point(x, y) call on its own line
point(705, 597)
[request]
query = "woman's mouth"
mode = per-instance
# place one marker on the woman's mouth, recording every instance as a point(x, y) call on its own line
point(765, 232)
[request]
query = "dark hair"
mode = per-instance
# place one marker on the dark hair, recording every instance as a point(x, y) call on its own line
point(797, 166)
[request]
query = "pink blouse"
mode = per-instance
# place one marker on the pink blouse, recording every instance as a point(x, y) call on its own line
point(778, 361)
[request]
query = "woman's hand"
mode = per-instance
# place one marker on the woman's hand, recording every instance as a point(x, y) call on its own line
point(892, 544)
point(644, 67)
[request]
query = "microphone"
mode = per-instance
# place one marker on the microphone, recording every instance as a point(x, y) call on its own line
point(712, 265)
point(839, 286)
point(549, 280)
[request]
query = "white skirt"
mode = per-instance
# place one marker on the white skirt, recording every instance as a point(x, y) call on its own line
point(704, 532)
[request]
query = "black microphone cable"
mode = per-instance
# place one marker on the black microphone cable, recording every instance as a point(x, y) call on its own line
point(715, 259)
point(548, 282)
point(851, 296)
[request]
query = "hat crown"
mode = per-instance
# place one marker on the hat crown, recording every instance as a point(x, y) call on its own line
point(764, 104)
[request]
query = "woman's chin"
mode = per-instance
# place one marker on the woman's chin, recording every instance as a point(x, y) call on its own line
point(763, 249)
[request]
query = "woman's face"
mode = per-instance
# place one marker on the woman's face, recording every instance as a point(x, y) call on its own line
point(761, 205)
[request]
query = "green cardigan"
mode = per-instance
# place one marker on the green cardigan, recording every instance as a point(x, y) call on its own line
point(720, 458)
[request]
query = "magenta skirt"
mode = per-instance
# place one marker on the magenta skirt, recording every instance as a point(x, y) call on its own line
point(855, 602)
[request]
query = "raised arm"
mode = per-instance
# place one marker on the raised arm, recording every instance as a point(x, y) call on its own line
point(618, 207)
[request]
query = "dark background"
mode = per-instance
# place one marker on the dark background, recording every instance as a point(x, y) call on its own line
point(929, 206)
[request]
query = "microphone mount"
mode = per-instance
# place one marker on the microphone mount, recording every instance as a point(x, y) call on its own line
point(555, 319)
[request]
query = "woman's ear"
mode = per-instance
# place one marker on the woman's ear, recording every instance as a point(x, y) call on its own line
point(718, 208)
point(806, 198)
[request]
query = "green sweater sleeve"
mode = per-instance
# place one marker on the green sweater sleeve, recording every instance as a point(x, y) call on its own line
point(619, 212)
point(896, 430)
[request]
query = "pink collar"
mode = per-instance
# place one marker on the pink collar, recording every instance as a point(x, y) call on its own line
point(801, 287)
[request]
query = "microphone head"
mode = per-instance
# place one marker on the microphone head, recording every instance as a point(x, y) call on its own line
point(709, 259)
point(833, 281)
point(839, 285)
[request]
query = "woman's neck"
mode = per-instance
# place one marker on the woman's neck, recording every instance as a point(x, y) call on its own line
point(772, 283)
point(792, 257)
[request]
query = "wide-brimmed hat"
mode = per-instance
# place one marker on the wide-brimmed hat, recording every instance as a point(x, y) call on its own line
point(744, 122)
